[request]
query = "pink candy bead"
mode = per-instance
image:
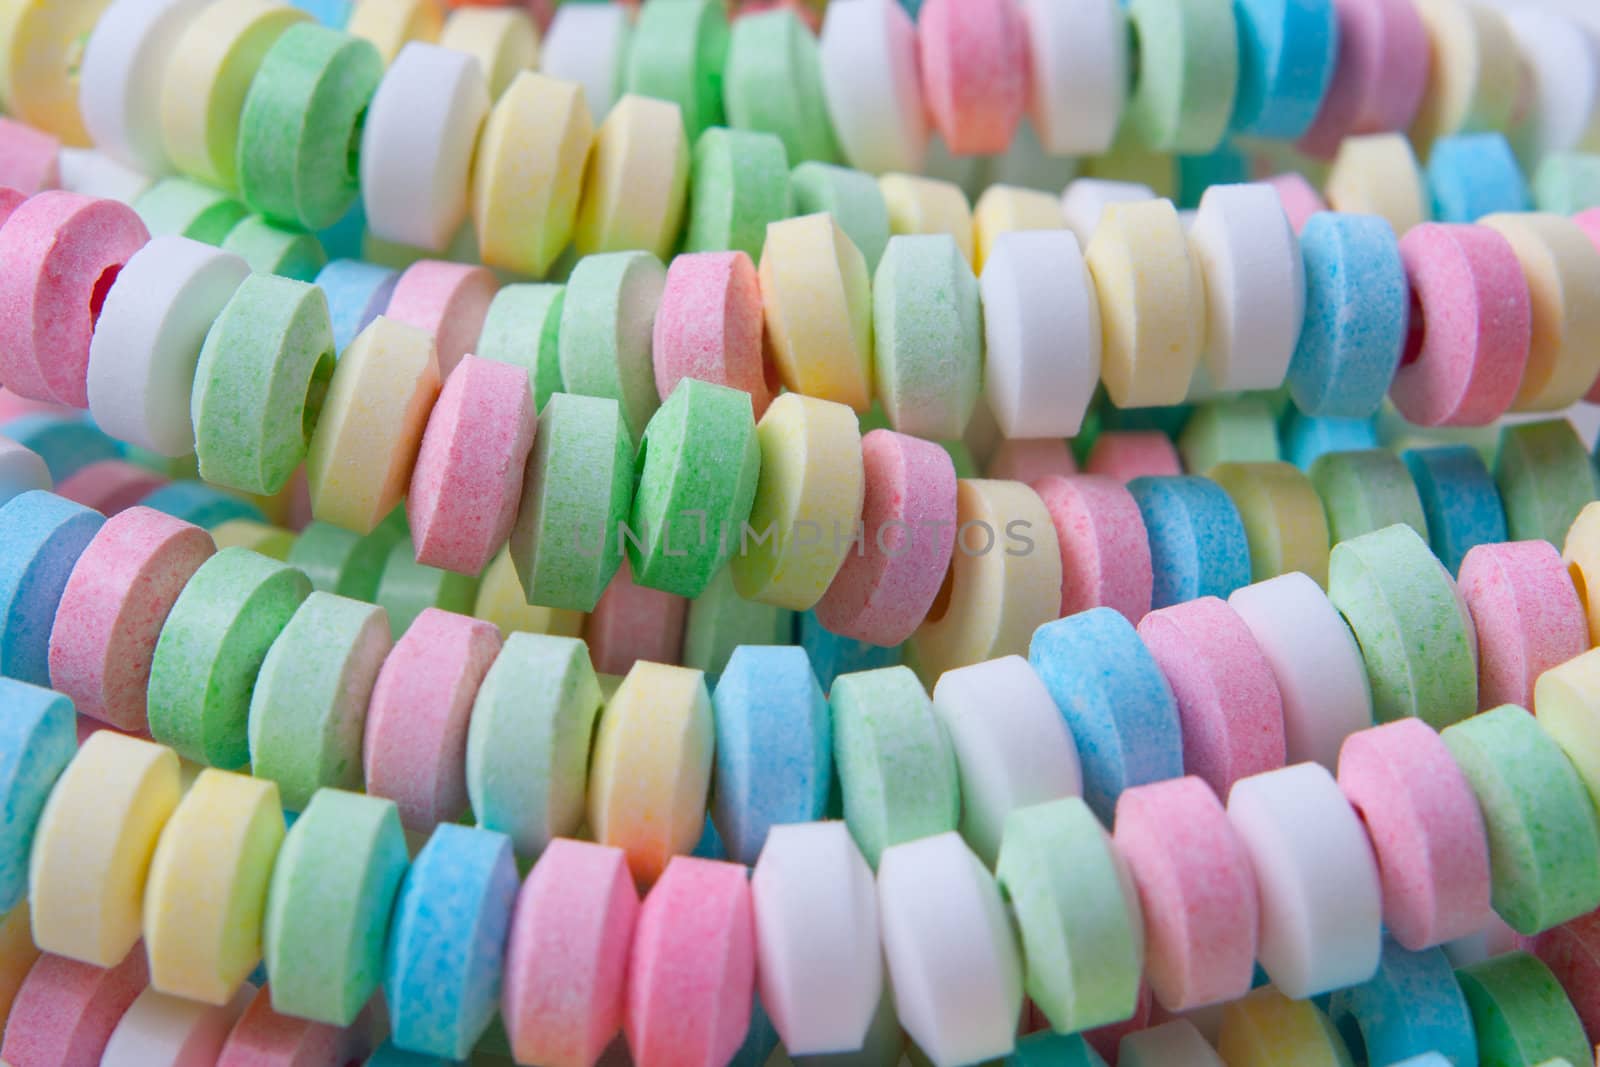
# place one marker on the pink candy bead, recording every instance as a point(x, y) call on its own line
point(416, 741)
point(468, 479)
point(692, 971)
point(1589, 222)
point(113, 608)
point(974, 57)
point(263, 1038)
point(632, 623)
point(30, 159)
point(908, 515)
point(110, 486)
point(566, 966)
point(1105, 552)
point(1107, 1039)
point(65, 1011)
point(10, 200)
point(1197, 889)
point(1129, 454)
point(708, 326)
point(1028, 460)
point(448, 300)
point(1228, 700)
point(62, 252)
point(1471, 326)
point(1527, 614)
point(1426, 831)
point(1382, 70)
point(1299, 199)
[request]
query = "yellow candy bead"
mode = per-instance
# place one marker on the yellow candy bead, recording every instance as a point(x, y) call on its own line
point(651, 767)
point(503, 40)
point(207, 896)
point(1152, 303)
point(358, 466)
point(271, 541)
point(392, 24)
point(1129, 161)
point(1474, 75)
point(208, 74)
point(17, 954)
point(637, 180)
point(1378, 175)
point(529, 172)
point(1006, 209)
point(818, 304)
point(1567, 701)
point(1284, 522)
point(928, 205)
point(1004, 580)
point(1562, 268)
point(1581, 551)
point(1267, 1029)
point(91, 852)
point(41, 44)
point(809, 498)
point(501, 601)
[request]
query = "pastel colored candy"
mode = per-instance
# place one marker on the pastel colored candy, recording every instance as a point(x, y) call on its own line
point(1045, 1048)
point(21, 469)
point(1288, 52)
point(816, 297)
point(631, 623)
point(263, 1037)
point(523, 328)
point(1105, 555)
point(1266, 1027)
point(1030, 460)
point(636, 181)
point(1459, 500)
point(1412, 1005)
point(1196, 890)
point(181, 207)
point(1084, 201)
point(1198, 545)
point(832, 655)
point(1530, 620)
point(1077, 914)
point(739, 184)
point(1183, 96)
point(1284, 523)
point(448, 300)
point(66, 445)
point(119, 82)
point(271, 541)
point(1378, 81)
point(42, 537)
point(1170, 1043)
point(39, 741)
point(1365, 491)
point(270, 249)
point(112, 610)
point(389, 26)
point(1472, 73)
point(65, 1010)
point(160, 1028)
point(1544, 477)
point(1299, 198)
point(852, 197)
point(1568, 951)
point(973, 63)
point(528, 740)
point(500, 600)
point(504, 43)
point(708, 326)
point(1079, 74)
point(571, 931)
point(338, 561)
point(606, 327)
point(927, 336)
point(872, 88)
point(677, 54)
point(447, 942)
point(927, 205)
point(329, 903)
point(1520, 1013)
point(1128, 454)
point(719, 621)
point(773, 82)
point(211, 648)
point(18, 954)
point(1566, 183)
point(1473, 175)
point(1556, 63)
point(109, 486)
point(357, 293)
point(587, 45)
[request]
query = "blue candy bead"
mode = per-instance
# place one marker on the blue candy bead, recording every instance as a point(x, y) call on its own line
point(200, 504)
point(759, 1040)
point(1473, 175)
point(331, 13)
point(357, 293)
point(832, 655)
point(1305, 437)
point(67, 445)
point(1224, 166)
point(1116, 702)
point(41, 537)
point(710, 846)
point(343, 239)
point(1413, 1005)
point(774, 749)
point(38, 737)
point(1358, 305)
point(1197, 540)
point(1287, 52)
point(447, 945)
point(1459, 499)
point(1046, 1049)
point(1427, 1059)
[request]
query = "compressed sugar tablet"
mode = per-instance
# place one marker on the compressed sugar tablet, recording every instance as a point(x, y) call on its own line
point(1378, 80)
point(570, 933)
point(1519, 1012)
point(1459, 500)
point(21, 469)
point(1240, 429)
point(973, 63)
point(1284, 523)
point(1183, 93)
point(1316, 876)
point(357, 293)
point(677, 54)
point(64, 252)
point(1044, 1048)
point(42, 536)
point(1565, 697)
point(151, 328)
point(1528, 616)
point(1266, 1028)
point(774, 83)
point(1562, 63)
point(1152, 303)
point(1196, 889)
point(528, 740)
point(1004, 578)
point(1473, 175)
point(1542, 835)
point(39, 740)
point(329, 903)
point(65, 1011)
point(1124, 455)
point(1078, 59)
point(112, 610)
point(160, 1028)
point(211, 648)
point(1473, 74)
point(1076, 911)
point(416, 145)
point(1105, 554)
point(636, 180)
point(960, 1005)
point(31, 162)
point(196, 502)
point(270, 541)
point(66, 445)
point(708, 325)
point(852, 197)
point(1198, 545)
point(264, 1037)
point(179, 207)
point(1084, 201)
point(364, 447)
point(871, 85)
point(817, 300)
point(271, 249)
point(631, 623)
point(1173, 1043)
point(501, 601)
point(1567, 183)
point(1377, 174)
point(1298, 197)
point(740, 184)
point(523, 327)
point(921, 205)
point(1568, 951)
point(119, 80)
point(529, 171)
point(1426, 832)
point(109, 486)
point(1366, 491)
point(928, 336)
point(607, 321)
point(448, 300)
point(1031, 460)
point(719, 620)
point(1545, 479)
point(447, 944)
point(587, 45)
point(504, 43)
point(390, 24)
point(1288, 51)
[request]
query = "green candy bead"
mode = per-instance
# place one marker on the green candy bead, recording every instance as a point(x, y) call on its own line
point(774, 83)
point(1567, 183)
point(852, 197)
point(269, 249)
point(260, 382)
point(897, 769)
point(1284, 523)
point(677, 52)
point(1545, 478)
point(607, 319)
point(524, 327)
point(1366, 491)
point(301, 126)
point(328, 906)
point(343, 562)
point(1188, 70)
point(720, 620)
point(1520, 1013)
point(1544, 847)
point(185, 208)
point(210, 650)
point(928, 325)
point(697, 471)
point(566, 542)
point(1229, 431)
point(409, 588)
point(739, 182)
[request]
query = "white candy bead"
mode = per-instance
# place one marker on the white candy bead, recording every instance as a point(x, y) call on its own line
point(119, 82)
point(1079, 53)
point(416, 149)
point(1085, 198)
point(147, 341)
point(1315, 660)
point(953, 959)
point(1041, 324)
point(1012, 746)
point(1255, 286)
point(868, 52)
point(585, 44)
point(21, 469)
point(816, 915)
point(169, 1031)
point(1562, 62)
point(1174, 1044)
point(1317, 880)
point(93, 173)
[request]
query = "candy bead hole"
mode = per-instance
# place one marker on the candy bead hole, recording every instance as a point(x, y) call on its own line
point(1578, 583)
point(1135, 56)
point(1416, 332)
point(316, 393)
point(102, 286)
point(352, 150)
point(1354, 1039)
point(941, 602)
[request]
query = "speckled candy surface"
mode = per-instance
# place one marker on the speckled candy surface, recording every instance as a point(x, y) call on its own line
point(1366, 490)
point(1412, 1005)
point(43, 537)
point(39, 742)
point(1544, 477)
point(1198, 545)
point(1520, 1013)
point(1529, 618)
point(773, 82)
point(708, 325)
point(1459, 500)
point(739, 184)
point(927, 326)
point(65, 1011)
point(448, 300)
